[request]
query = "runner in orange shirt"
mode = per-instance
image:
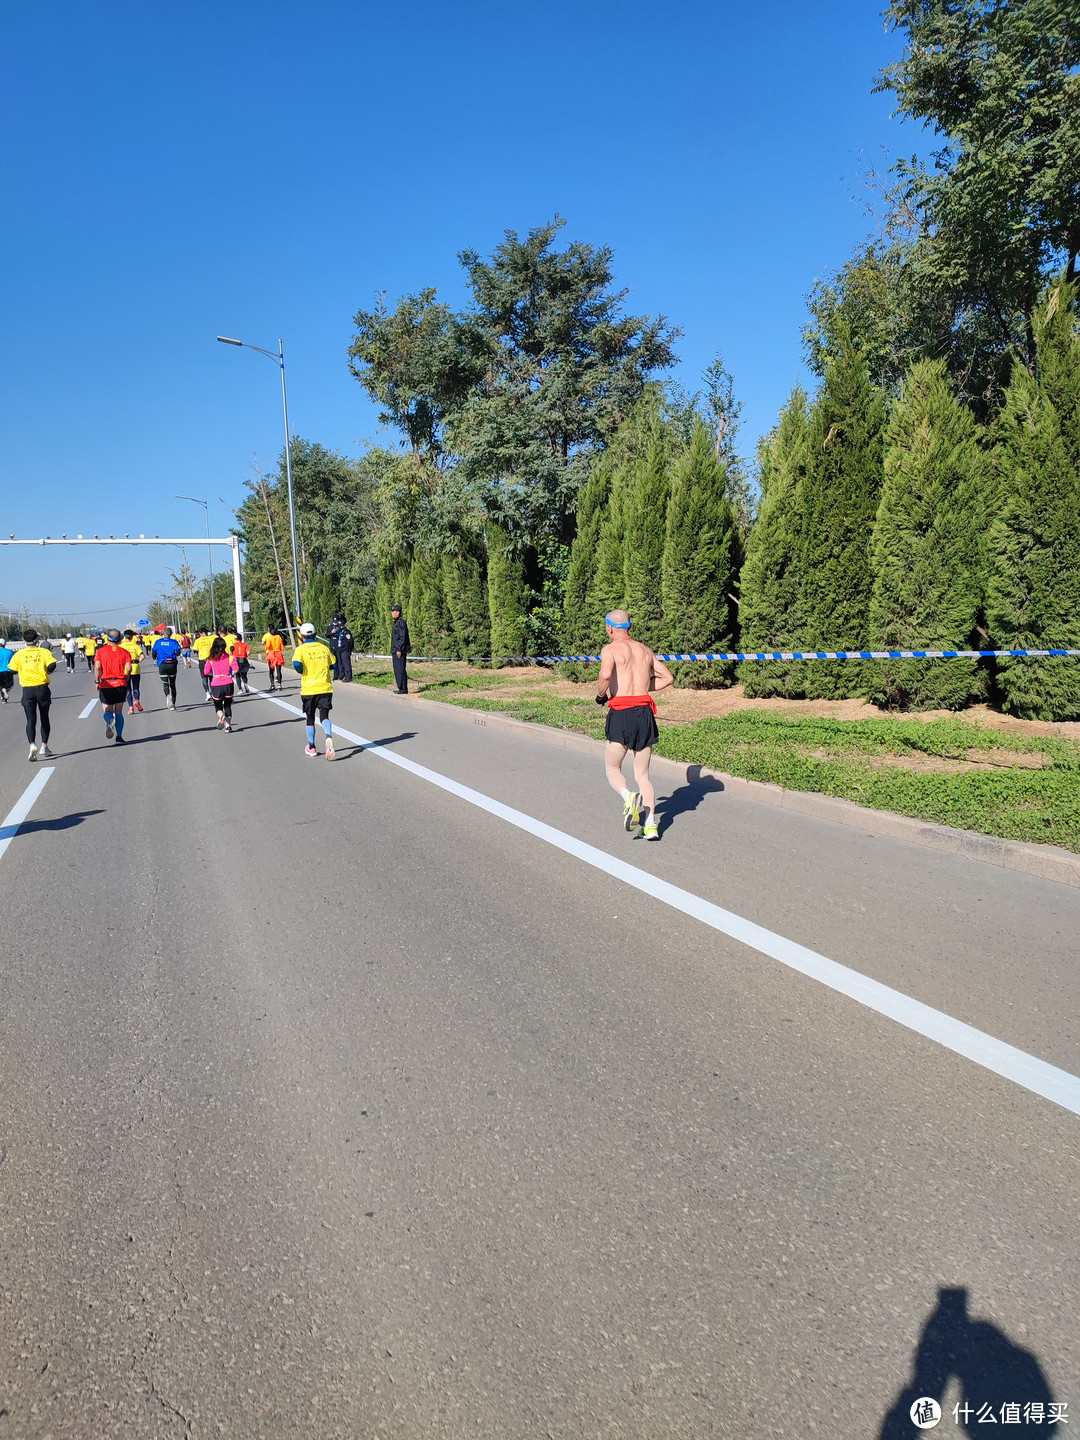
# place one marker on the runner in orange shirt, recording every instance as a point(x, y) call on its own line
point(274, 649)
point(241, 653)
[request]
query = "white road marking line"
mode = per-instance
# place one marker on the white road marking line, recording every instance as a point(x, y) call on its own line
point(10, 827)
point(89, 709)
point(1005, 1060)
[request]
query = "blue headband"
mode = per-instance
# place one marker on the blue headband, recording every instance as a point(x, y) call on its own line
point(617, 624)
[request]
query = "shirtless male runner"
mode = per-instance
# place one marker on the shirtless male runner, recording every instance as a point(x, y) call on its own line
point(629, 675)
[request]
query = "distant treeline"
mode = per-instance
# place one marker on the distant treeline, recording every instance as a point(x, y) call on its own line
point(12, 625)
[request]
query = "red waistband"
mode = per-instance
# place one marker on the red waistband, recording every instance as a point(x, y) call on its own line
point(631, 702)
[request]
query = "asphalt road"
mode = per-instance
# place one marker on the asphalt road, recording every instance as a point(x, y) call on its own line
point(333, 1106)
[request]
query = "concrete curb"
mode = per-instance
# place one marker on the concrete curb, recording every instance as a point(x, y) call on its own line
point(1045, 862)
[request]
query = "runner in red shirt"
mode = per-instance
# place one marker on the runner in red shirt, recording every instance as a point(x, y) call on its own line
point(112, 666)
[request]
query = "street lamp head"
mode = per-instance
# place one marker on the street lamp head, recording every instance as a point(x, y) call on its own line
point(225, 340)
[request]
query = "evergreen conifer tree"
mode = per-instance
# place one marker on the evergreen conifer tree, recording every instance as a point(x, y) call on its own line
point(927, 550)
point(770, 593)
point(700, 562)
point(1033, 599)
point(465, 589)
point(625, 456)
point(580, 626)
point(507, 594)
point(391, 587)
point(321, 599)
point(428, 626)
point(643, 555)
point(838, 501)
point(360, 613)
point(608, 588)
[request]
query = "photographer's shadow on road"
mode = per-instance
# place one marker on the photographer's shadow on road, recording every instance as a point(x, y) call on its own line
point(990, 1369)
point(688, 797)
point(61, 822)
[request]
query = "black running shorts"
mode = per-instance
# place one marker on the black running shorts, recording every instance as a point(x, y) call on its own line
point(322, 703)
point(635, 728)
point(7, 679)
point(112, 694)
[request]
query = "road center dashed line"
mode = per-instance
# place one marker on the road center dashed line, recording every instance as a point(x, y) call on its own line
point(89, 709)
point(10, 828)
point(992, 1054)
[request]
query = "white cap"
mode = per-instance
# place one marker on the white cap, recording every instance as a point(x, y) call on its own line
point(307, 629)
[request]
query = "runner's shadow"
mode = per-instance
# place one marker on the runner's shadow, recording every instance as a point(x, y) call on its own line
point(688, 797)
point(61, 822)
point(389, 740)
point(130, 740)
point(990, 1369)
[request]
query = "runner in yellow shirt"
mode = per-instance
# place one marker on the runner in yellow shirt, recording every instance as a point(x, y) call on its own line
point(89, 649)
point(34, 664)
point(315, 664)
point(202, 645)
point(133, 646)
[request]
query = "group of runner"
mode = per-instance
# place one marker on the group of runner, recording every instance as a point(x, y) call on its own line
point(116, 657)
point(630, 674)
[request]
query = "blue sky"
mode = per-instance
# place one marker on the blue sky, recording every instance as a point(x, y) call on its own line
point(175, 171)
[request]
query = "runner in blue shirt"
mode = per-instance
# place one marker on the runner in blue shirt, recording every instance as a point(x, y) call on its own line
point(7, 675)
point(166, 652)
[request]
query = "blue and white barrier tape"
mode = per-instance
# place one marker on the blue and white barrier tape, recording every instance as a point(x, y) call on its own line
point(757, 655)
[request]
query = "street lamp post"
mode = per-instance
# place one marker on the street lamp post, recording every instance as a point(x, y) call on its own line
point(279, 361)
point(205, 504)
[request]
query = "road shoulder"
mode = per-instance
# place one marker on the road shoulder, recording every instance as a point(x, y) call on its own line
point(1046, 862)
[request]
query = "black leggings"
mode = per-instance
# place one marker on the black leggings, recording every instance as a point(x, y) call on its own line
point(168, 684)
point(223, 701)
point(35, 704)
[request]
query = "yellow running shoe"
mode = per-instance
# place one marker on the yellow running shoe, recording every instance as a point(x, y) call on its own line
point(631, 812)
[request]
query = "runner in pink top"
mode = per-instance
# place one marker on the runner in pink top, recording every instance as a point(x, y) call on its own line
point(219, 668)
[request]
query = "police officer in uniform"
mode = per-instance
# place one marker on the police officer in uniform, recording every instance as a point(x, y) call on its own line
point(399, 649)
point(342, 646)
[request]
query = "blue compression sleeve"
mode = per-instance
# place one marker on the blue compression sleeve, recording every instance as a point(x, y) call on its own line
point(311, 734)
